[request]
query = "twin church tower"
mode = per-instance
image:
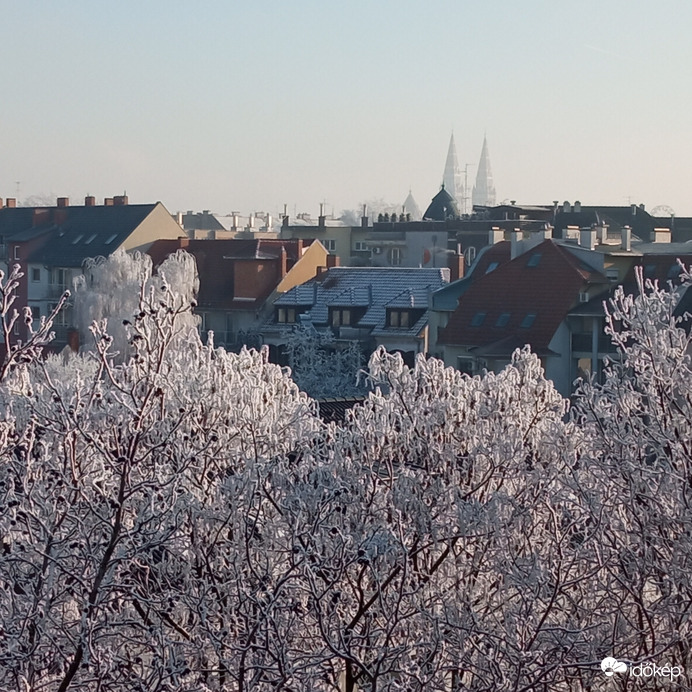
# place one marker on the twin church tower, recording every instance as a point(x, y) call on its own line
point(456, 183)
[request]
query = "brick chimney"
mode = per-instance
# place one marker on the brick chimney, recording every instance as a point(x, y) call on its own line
point(456, 264)
point(90, 201)
point(11, 202)
point(2, 204)
point(120, 201)
point(108, 202)
point(333, 261)
point(63, 202)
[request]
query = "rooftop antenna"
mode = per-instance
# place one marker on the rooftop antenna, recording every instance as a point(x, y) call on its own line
point(18, 184)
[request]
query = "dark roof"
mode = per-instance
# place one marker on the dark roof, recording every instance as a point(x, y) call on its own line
point(663, 268)
point(202, 221)
point(84, 232)
point(374, 289)
point(442, 207)
point(544, 281)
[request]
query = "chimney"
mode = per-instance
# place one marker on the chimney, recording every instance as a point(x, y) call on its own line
point(299, 247)
point(268, 222)
point(333, 261)
point(284, 217)
point(251, 220)
point(626, 239)
point(566, 207)
point(495, 235)
point(108, 202)
point(602, 232)
point(633, 208)
point(2, 204)
point(322, 218)
point(546, 233)
point(11, 202)
point(587, 238)
point(516, 237)
point(90, 201)
point(120, 201)
point(235, 220)
point(364, 217)
point(456, 264)
point(661, 235)
point(179, 219)
point(63, 202)
point(577, 207)
point(283, 259)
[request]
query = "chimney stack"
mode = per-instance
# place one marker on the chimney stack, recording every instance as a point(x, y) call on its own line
point(626, 239)
point(90, 201)
point(11, 202)
point(108, 202)
point(120, 201)
point(495, 235)
point(321, 220)
point(516, 237)
point(587, 238)
point(662, 235)
point(2, 204)
point(63, 202)
point(364, 217)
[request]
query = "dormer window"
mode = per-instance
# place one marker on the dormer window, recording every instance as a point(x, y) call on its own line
point(340, 317)
point(398, 318)
point(286, 315)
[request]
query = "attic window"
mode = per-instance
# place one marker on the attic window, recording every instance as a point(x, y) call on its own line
point(534, 260)
point(398, 318)
point(90, 238)
point(478, 319)
point(528, 320)
point(502, 320)
point(111, 238)
point(77, 239)
point(491, 267)
point(286, 315)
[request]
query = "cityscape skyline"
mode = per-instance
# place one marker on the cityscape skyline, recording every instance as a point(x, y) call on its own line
point(222, 106)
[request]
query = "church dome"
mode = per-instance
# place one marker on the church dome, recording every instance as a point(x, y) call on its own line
point(442, 207)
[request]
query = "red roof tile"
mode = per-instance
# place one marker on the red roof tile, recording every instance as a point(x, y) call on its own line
point(514, 290)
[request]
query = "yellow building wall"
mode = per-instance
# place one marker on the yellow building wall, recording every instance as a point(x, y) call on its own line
point(158, 225)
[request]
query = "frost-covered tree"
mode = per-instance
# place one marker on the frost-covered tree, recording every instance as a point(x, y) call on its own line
point(111, 288)
point(179, 518)
point(323, 369)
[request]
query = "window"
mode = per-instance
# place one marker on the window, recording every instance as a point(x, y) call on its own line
point(329, 244)
point(502, 320)
point(59, 277)
point(583, 297)
point(90, 238)
point(478, 319)
point(399, 318)
point(394, 256)
point(16, 252)
point(286, 315)
point(674, 272)
point(340, 317)
point(111, 238)
point(528, 320)
point(36, 311)
point(470, 255)
point(612, 274)
point(360, 246)
point(534, 260)
point(77, 239)
point(36, 273)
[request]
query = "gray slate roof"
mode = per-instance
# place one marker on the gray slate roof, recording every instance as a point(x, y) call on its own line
point(372, 288)
point(90, 232)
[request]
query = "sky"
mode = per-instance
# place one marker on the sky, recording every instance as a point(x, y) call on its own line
point(247, 106)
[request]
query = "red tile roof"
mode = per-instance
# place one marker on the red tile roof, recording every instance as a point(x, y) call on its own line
point(514, 290)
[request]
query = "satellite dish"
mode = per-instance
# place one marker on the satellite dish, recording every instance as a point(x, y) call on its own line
point(663, 210)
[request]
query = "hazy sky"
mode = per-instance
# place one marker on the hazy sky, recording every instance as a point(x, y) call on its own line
point(229, 105)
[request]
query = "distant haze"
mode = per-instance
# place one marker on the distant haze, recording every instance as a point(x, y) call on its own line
point(249, 105)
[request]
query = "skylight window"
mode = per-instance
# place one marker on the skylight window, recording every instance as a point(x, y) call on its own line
point(111, 238)
point(90, 238)
point(478, 319)
point(77, 239)
point(502, 320)
point(534, 260)
point(528, 320)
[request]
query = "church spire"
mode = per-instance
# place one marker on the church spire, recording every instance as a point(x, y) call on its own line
point(484, 189)
point(451, 180)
